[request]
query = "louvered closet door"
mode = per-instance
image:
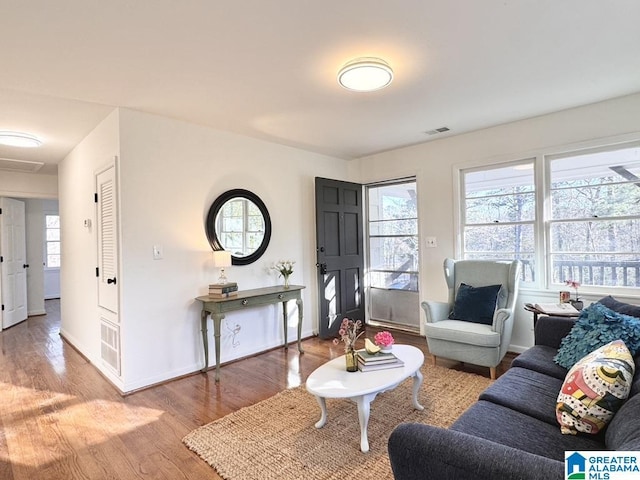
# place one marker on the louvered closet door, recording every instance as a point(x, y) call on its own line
point(107, 220)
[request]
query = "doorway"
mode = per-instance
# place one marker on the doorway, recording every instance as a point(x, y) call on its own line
point(340, 253)
point(42, 273)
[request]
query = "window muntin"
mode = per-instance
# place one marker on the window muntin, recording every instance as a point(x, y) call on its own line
point(594, 226)
point(393, 236)
point(52, 241)
point(499, 212)
point(241, 227)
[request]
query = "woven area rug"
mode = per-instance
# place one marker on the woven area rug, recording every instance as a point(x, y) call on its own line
point(276, 438)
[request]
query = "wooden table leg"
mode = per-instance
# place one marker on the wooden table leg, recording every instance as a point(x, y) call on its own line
point(286, 324)
point(300, 316)
point(323, 412)
point(217, 320)
point(417, 382)
point(364, 407)
point(205, 339)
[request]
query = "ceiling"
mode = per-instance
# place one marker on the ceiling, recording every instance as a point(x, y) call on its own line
point(267, 69)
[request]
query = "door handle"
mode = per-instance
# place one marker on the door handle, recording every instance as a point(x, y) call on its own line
point(323, 268)
point(111, 280)
point(26, 265)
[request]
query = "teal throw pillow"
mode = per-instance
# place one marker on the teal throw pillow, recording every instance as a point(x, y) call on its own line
point(475, 305)
point(597, 326)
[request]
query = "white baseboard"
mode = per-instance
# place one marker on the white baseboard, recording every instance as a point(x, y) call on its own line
point(517, 348)
point(33, 313)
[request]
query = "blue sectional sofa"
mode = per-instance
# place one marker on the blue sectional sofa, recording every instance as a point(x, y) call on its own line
point(511, 432)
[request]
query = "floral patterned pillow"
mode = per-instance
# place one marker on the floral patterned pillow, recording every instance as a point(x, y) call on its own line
point(594, 389)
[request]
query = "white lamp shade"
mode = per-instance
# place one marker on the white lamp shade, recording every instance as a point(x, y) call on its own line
point(221, 258)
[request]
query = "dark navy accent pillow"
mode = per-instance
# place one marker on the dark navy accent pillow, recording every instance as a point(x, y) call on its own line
point(620, 307)
point(475, 305)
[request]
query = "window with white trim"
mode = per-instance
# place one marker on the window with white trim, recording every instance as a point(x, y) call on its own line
point(52, 241)
point(499, 214)
point(588, 229)
point(594, 218)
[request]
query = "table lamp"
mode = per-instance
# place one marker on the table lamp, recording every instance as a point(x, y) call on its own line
point(222, 259)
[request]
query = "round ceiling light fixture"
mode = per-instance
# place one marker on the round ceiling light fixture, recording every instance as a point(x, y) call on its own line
point(19, 139)
point(365, 74)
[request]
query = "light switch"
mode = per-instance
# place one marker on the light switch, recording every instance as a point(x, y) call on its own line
point(430, 242)
point(157, 252)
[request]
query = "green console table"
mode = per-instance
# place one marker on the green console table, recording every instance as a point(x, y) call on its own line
point(217, 307)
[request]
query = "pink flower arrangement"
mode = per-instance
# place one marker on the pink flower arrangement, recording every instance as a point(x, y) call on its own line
point(573, 284)
point(348, 333)
point(383, 339)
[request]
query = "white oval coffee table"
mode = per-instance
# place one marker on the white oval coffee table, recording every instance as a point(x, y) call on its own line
point(332, 380)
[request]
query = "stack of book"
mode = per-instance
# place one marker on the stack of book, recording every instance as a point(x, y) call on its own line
point(368, 362)
point(223, 290)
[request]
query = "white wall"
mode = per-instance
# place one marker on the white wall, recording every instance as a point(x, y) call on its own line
point(170, 173)
point(29, 185)
point(433, 164)
point(78, 304)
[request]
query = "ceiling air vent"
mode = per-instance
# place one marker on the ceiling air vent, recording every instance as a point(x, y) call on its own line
point(20, 165)
point(436, 131)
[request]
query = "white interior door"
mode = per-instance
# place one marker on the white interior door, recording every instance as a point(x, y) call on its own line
point(13, 250)
point(107, 220)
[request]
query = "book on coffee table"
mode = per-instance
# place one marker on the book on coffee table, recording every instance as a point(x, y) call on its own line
point(371, 358)
point(371, 367)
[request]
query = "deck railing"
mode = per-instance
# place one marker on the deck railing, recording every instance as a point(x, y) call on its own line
point(596, 272)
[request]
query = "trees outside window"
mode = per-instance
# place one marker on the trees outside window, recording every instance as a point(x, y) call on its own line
point(393, 236)
point(499, 213)
point(594, 227)
point(580, 219)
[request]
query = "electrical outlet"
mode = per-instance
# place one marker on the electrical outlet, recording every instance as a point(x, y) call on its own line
point(157, 252)
point(431, 242)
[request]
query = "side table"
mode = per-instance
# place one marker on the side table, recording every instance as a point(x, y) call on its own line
point(530, 307)
point(258, 297)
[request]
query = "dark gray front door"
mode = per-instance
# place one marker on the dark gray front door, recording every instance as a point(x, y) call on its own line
point(339, 243)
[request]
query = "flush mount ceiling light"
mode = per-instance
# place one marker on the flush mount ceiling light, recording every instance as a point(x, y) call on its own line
point(365, 74)
point(19, 139)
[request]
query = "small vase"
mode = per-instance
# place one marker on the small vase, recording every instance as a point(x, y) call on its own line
point(386, 349)
point(351, 358)
point(577, 304)
point(286, 281)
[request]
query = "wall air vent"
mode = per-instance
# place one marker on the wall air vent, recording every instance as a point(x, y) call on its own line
point(110, 345)
point(437, 131)
point(25, 166)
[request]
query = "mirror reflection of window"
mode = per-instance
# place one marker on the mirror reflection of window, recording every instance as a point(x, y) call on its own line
point(240, 226)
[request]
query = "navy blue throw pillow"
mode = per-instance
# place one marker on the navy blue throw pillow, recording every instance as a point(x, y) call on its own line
point(620, 307)
point(475, 305)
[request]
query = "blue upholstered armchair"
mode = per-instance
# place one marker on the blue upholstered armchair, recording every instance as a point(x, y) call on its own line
point(475, 325)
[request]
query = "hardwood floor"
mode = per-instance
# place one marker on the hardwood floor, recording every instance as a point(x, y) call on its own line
point(60, 419)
